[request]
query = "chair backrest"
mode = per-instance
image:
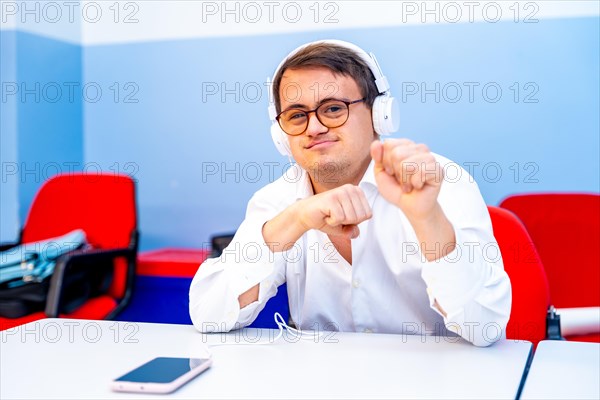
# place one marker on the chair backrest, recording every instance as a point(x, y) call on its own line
point(530, 293)
point(220, 242)
point(102, 204)
point(566, 231)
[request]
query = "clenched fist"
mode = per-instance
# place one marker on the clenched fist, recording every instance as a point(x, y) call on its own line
point(408, 176)
point(335, 212)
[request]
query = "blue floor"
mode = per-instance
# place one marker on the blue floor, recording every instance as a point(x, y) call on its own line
point(165, 300)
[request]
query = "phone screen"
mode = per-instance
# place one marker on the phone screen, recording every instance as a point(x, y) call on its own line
point(161, 370)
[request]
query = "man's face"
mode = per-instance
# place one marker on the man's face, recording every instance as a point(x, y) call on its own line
point(333, 156)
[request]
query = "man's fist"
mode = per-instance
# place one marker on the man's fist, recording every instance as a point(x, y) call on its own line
point(335, 212)
point(407, 175)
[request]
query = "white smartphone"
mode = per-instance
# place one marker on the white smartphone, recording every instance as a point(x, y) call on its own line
point(161, 375)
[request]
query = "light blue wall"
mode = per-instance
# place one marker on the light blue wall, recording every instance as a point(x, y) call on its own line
point(550, 139)
point(154, 121)
point(172, 133)
point(49, 119)
point(8, 139)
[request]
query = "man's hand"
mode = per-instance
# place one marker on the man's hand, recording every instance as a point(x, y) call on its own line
point(336, 212)
point(408, 176)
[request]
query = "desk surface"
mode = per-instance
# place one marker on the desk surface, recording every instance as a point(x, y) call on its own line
point(564, 370)
point(61, 358)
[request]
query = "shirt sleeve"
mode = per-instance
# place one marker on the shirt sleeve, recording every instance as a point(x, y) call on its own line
point(246, 261)
point(469, 283)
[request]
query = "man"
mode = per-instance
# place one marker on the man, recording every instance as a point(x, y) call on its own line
point(369, 236)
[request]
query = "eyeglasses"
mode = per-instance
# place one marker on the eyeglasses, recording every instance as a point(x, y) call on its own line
point(332, 114)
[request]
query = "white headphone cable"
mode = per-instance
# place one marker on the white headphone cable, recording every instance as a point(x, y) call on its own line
point(281, 324)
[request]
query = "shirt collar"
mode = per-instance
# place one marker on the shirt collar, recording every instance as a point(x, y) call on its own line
point(369, 176)
point(303, 186)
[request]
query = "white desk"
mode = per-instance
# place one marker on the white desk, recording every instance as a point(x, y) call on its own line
point(60, 358)
point(564, 370)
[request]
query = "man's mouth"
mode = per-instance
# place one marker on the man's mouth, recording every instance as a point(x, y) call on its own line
point(320, 143)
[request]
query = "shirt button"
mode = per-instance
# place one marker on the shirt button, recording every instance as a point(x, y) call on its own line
point(355, 284)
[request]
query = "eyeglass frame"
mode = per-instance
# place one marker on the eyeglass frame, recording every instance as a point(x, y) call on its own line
point(307, 112)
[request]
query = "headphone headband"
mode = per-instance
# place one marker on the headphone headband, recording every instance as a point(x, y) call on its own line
point(385, 110)
point(381, 81)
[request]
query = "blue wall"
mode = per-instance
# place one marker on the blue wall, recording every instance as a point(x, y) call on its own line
point(172, 133)
point(196, 156)
point(41, 119)
point(49, 118)
point(8, 139)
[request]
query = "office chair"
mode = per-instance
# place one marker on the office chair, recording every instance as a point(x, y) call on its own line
point(565, 228)
point(103, 205)
point(219, 243)
point(530, 293)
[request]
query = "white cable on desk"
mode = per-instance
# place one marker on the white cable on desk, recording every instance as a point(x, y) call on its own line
point(281, 324)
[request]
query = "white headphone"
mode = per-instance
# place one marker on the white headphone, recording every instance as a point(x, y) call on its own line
point(385, 111)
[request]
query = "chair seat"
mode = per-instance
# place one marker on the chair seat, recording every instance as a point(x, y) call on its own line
point(97, 308)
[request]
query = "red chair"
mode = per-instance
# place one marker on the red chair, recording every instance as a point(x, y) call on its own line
point(566, 231)
point(104, 206)
point(530, 294)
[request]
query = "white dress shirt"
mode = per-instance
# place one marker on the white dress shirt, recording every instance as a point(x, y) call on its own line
point(390, 286)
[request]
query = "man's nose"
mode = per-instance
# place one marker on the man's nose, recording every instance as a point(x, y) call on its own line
point(315, 127)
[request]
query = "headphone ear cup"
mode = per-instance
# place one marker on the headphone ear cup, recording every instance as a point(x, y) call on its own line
point(280, 140)
point(386, 115)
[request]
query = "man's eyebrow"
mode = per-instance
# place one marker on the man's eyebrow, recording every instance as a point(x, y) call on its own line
point(305, 107)
point(296, 105)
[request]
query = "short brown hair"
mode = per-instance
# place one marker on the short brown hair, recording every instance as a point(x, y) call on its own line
point(338, 59)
